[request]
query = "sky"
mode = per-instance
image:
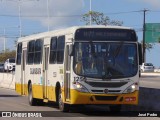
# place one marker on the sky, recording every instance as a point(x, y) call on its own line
point(66, 13)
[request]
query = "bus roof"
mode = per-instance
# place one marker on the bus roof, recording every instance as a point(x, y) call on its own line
point(65, 31)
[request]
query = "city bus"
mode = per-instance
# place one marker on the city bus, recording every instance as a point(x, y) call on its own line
point(80, 65)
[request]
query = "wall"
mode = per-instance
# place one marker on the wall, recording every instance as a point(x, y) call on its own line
point(7, 80)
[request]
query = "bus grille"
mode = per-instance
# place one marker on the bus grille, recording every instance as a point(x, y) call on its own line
point(107, 84)
point(109, 98)
point(109, 91)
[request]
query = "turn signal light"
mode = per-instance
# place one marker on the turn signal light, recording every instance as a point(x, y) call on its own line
point(130, 99)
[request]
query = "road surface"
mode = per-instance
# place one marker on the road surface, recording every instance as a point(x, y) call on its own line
point(10, 101)
point(150, 80)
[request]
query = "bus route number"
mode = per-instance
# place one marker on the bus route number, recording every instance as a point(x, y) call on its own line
point(76, 79)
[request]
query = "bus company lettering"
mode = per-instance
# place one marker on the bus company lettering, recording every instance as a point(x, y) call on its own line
point(35, 70)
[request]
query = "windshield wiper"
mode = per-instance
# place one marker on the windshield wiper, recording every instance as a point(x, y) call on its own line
point(118, 50)
point(112, 73)
point(107, 76)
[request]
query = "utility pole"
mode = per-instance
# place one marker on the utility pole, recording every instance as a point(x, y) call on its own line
point(90, 12)
point(19, 12)
point(48, 15)
point(144, 29)
point(20, 22)
point(4, 40)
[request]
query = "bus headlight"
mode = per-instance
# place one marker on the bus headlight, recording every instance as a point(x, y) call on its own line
point(131, 88)
point(80, 87)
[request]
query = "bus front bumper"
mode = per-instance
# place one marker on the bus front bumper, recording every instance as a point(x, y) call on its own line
point(89, 98)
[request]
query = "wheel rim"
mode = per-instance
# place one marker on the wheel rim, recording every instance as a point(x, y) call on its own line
point(60, 101)
point(30, 95)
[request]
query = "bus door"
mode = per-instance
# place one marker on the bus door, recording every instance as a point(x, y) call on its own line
point(24, 51)
point(45, 71)
point(67, 73)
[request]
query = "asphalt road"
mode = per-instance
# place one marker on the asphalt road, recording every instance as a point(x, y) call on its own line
point(10, 101)
point(150, 80)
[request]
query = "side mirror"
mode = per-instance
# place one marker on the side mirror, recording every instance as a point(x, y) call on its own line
point(71, 50)
point(140, 53)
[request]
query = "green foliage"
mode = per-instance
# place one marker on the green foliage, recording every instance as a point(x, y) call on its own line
point(7, 54)
point(148, 46)
point(159, 40)
point(99, 18)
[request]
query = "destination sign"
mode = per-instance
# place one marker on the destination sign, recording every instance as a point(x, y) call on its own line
point(105, 34)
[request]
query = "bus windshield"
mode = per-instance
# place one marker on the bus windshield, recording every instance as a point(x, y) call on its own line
point(105, 59)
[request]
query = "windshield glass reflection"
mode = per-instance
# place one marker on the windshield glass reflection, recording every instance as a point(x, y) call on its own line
point(105, 60)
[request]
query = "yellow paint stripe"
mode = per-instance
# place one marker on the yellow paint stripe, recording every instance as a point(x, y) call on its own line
point(79, 97)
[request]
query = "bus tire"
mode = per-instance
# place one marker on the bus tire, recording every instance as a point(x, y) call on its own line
point(32, 101)
point(115, 108)
point(62, 106)
point(39, 102)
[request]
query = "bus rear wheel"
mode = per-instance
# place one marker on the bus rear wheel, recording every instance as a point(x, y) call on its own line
point(62, 106)
point(32, 101)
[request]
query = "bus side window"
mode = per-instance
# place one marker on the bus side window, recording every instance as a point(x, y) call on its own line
point(30, 56)
point(53, 50)
point(19, 53)
point(38, 51)
point(60, 49)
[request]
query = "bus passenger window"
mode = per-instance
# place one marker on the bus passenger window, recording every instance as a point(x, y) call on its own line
point(57, 50)
point(38, 51)
point(19, 53)
point(60, 49)
point(53, 49)
point(30, 55)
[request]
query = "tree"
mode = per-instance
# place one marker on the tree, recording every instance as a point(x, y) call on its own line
point(159, 40)
point(15, 43)
point(99, 18)
point(7, 54)
point(148, 46)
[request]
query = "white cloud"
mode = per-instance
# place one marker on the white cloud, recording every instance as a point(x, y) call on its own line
point(153, 3)
point(61, 11)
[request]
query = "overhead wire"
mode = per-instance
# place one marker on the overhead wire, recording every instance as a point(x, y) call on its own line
point(80, 15)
